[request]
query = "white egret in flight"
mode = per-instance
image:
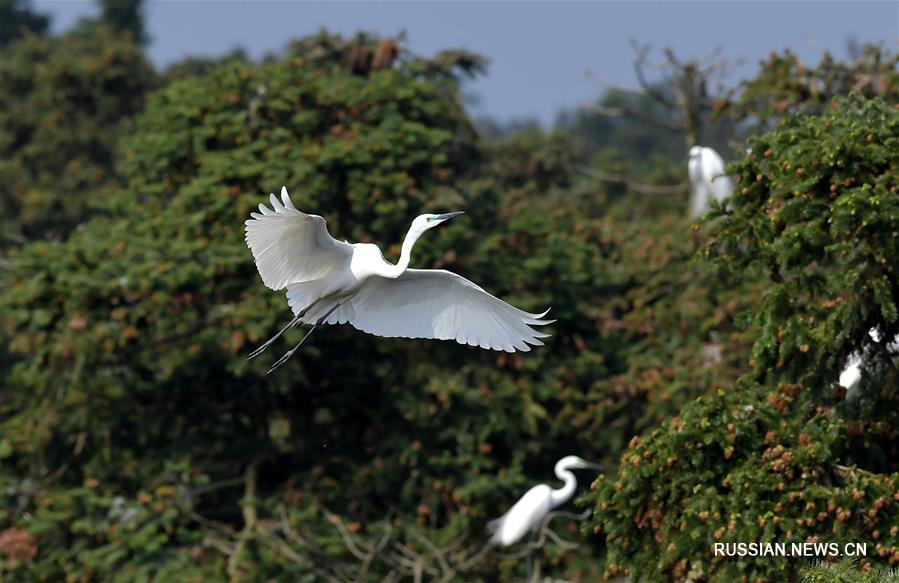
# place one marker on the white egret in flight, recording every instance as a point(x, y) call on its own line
point(526, 515)
point(707, 179)
point(334, 282)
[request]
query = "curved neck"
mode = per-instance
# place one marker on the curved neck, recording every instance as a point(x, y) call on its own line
point(561, 495)
point(394, 271)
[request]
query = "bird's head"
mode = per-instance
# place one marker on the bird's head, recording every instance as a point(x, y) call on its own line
point(695, 151)
point(573, 462)
point(428, 221)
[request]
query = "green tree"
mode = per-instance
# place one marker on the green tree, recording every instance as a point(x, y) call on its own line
point(199, 66)
point(165, 282)
point(846, 571)
point(137, 429)
point(125, 15)
point(64, 103)
point(18, 19)
point(785, 85)
point(682, 101)
point(783, 453)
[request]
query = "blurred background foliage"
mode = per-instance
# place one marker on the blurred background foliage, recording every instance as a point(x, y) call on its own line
point(697, 362)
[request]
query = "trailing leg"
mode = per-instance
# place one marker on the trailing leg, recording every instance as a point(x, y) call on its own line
point(290, 324)
point(290, 352)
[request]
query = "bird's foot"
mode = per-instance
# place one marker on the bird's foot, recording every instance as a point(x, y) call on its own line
point(259, 350)
point(281, 360)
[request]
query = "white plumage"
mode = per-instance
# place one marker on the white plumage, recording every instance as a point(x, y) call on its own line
point(291, 246)
point(707, 179)
point(528, 513)
point(852, 373)
point(330, 282)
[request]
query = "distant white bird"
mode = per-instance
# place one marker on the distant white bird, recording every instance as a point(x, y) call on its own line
point(707, 179)
point(530, 510)
point(333, 282)
point(852, 373)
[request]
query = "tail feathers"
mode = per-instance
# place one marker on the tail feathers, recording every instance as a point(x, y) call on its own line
point(495, 527)
point(302, 295)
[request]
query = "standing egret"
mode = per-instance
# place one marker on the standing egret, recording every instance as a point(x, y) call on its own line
point(528, 513)
point(707, 179)
point(530, 510)
point(333, 282)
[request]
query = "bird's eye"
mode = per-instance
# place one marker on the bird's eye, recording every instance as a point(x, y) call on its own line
point(432, 219)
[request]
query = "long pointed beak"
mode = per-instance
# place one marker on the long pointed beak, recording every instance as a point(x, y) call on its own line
point(447, 216)
point(592, 466)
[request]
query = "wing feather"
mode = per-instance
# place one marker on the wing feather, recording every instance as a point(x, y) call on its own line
point(434, 303)
point(291, 246)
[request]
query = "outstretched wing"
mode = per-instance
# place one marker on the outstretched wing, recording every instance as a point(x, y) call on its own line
point(290, 246)
point(434, 303)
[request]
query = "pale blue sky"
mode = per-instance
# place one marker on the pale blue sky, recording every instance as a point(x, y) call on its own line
point(539, 52)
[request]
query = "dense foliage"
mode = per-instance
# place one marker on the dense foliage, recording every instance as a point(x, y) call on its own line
point(138, 443)
point(786, 85)
point(784, 454)
point(64, 103)
point(17, 19)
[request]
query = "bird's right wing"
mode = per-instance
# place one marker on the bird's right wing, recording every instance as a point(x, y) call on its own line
point(291, 246)
point(434, 303)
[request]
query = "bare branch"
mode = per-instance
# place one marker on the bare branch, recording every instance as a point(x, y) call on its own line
point(213, 486)
point(345, 535)
point(545, 532)
point(613, 86)
point(639, 64)
point(212, 524)
point(248, 509)
point(438, 553)
point(713, 59)
point(625, 111)
point(817, 47)
point(374, 550)
point(640, 187)
point(16, 238)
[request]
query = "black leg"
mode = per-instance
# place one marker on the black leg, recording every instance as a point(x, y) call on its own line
point(293, 322)
point(290, 352)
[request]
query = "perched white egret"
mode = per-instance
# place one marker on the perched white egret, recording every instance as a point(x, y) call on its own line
point(852, 373)
point(334, 282)
point(707, 179)
point(526, 515)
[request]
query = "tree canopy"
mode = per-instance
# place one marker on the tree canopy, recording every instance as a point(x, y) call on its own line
point(697, 362)
point(64, 104)
point(783, 453)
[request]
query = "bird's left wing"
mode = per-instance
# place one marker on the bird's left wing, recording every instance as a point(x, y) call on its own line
point(434, 303)
point(291, 246)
